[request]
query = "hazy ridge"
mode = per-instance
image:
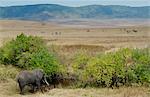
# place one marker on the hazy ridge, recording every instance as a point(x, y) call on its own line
point(53, 11)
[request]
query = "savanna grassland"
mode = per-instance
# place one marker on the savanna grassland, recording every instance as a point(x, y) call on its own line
point(67, 38)
point(110, 33)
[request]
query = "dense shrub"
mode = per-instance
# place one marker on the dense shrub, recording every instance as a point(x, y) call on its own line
point(79, 65)
point(142, 65)
point(131, 65)
point(80, 61)
point(28, 52)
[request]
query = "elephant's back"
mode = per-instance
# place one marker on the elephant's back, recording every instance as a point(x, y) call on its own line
point(38, 73)
point(24, 75)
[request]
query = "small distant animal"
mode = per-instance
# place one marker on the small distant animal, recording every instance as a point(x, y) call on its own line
point(134, 30)
point(56, 33)
point(59, 33)
point(32, 79)
point(128, 31)
point(88, 30)
point(42, 32)
point(43, 24)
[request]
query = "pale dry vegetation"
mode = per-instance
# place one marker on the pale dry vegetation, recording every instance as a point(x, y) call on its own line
point(10, 89)
point(63, 34)
point(7, 73)
point(67, 42)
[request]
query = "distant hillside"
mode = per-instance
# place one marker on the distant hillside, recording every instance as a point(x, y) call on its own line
point(53, 11)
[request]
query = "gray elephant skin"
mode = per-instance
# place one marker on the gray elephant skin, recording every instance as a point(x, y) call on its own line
point(34, 79)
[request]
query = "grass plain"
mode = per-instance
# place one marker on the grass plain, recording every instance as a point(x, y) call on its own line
point(81, 33)
point(72, 35)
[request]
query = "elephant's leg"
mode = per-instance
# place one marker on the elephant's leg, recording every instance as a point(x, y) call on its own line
point(21, 86)
point(32, 88)
point(39, 86)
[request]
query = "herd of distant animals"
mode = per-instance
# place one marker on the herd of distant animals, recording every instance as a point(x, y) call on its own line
point(88, 30)
point(54, 33)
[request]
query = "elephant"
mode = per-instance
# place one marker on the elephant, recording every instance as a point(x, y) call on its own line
point(31, 78)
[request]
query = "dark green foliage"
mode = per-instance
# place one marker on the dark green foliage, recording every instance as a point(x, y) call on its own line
point(142, 65)
point(28, 52)
point(130, 65)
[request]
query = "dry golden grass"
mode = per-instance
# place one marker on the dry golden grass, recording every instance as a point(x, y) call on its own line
point(7, 72)
point(62, 34)
point(10, 89)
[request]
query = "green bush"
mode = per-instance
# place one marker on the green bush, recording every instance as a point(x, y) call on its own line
point(142, 65)
point(132, 65)
point(80, 61)
point(29, 52)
